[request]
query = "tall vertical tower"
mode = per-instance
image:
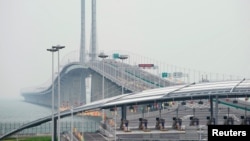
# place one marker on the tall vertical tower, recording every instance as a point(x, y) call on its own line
point(82, 55)
point(82, 40)
point(93, 53)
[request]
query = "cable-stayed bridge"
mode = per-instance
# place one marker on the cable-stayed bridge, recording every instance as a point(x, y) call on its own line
point(127, 80)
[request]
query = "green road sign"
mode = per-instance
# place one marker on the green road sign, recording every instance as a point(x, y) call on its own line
point(164, 74)
point(115, 56)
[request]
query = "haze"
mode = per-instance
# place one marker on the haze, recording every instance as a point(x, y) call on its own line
point(210, 36)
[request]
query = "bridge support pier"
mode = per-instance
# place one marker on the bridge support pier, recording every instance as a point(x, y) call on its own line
point(124, 112)
point(215, 115)
point(216, 109)
point(123, 117)
point(211, 108)
point(160, 107)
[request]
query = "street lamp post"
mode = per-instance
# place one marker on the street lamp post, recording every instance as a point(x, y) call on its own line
point(103, 56)
point(115, 121)
point(71, 109)
point(58, 47)
point(123, 57)
point(52, 50)
point(123, 111)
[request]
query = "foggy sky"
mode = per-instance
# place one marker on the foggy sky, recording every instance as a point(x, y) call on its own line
point(208, 35)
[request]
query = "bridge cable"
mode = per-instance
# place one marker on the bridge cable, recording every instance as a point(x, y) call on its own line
point(165, 95)
point(237, 85)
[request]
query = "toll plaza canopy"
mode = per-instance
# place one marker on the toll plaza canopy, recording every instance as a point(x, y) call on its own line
point(222, 89)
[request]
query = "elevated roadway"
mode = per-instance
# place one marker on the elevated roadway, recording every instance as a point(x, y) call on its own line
point(73, 82)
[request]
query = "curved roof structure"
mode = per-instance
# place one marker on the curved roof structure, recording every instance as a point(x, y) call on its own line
point(221, 89)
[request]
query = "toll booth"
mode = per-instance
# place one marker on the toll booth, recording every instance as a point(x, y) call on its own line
point(160, 124)
point(245, 120)
point(124, 124)
point(210, 121)
point(143, 124)
point(228, 120)
point(194, 121)
point(177, 122)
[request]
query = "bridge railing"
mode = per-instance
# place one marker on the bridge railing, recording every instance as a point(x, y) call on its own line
point(120, 74)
